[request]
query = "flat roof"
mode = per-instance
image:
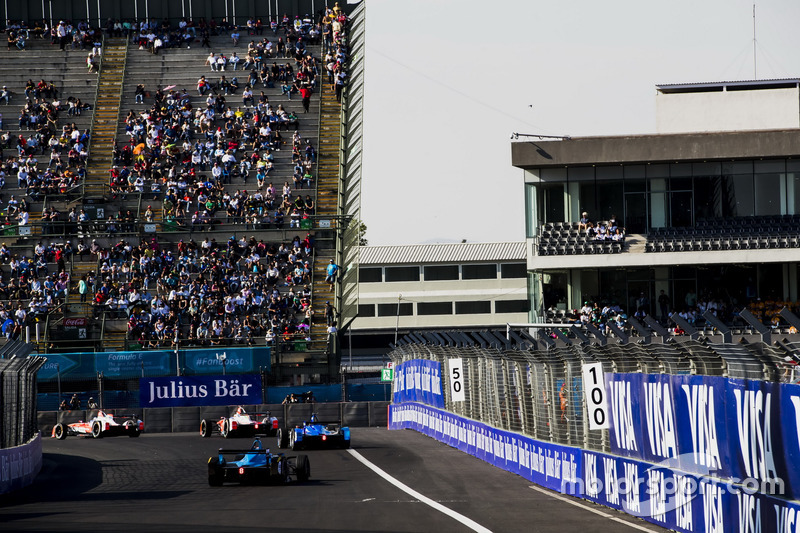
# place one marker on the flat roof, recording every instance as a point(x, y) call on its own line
point(740, 85)
point(443, 253)
point(656, 148)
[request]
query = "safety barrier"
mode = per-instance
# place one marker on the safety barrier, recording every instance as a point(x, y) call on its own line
point(692, 436)
point(20, 443)
point(18, 395)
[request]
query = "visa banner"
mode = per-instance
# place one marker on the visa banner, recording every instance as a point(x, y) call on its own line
point(183, 391)
point(741, 431)
point(549, 465)
point(658, 493)
point(418, 380)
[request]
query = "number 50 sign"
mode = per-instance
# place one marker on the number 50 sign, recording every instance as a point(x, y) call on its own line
point(594, 388)
point(456, 379)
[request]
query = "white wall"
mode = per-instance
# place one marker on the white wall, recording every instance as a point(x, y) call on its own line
point(764, 109)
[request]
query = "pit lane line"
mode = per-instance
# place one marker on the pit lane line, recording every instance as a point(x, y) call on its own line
point(424, 499)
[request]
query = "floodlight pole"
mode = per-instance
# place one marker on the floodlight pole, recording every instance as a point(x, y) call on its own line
point(397, 323)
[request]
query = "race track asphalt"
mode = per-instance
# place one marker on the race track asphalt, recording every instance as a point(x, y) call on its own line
point(158, 483)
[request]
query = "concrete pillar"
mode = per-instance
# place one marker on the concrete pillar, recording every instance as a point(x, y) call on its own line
point(574, 292)
point(573, 209)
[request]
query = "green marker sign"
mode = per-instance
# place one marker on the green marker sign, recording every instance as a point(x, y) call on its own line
point(387, 375)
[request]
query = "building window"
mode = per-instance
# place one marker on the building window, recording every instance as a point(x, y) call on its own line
point(441, 273)
point(370, 275)
point(402, 273)
point(513, 270)
point(479, 272)
point(406, 309)
point(366, 310)
point(473, 308)
point(435, 308)
point(511, 306)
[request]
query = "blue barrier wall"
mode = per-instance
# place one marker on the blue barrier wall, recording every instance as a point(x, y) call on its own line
point(690, 453)
point(418, 380)
point(731, 429)
point(20, 465)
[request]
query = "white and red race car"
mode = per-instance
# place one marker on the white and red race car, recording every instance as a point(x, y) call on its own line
point(101, 425)
point(241, 424)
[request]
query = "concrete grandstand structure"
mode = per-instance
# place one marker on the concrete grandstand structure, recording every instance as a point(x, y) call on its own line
point(709, 208)
point(145, 136)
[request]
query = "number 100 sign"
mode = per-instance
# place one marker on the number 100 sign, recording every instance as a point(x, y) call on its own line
point(594, 388)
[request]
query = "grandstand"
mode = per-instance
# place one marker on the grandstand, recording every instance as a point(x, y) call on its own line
point(707, 208)
point(181, 214)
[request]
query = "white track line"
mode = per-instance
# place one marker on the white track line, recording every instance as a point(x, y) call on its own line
point(591, 509)
point(424, 499)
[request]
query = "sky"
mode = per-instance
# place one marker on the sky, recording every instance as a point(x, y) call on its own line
point(447, 82)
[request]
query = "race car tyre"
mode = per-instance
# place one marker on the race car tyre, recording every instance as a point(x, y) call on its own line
point(346, 444)
point(60, 431)
point(97, 429)
point(303, 468)
point(293, 442)
point(283, 438)
point(226, 432)
point(205, 428)
point(214, 472)
point(133, 432)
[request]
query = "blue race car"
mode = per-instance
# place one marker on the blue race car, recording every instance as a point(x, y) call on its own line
point(314, 434)
point(257, 466)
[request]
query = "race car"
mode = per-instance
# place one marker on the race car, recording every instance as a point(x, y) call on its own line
point(314, 434)
point(257, 465)
point(101, 425)
point(240, 424)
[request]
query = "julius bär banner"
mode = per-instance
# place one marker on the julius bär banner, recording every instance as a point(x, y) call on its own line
point(183, 391)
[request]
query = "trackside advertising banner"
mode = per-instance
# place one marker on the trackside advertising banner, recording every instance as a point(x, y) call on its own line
point(418, 380)
point(201, 361)
point(20, 465)
point(743, 431)
point(183, 391)
point(549, 465)
point(682, 502)
point(658, 493)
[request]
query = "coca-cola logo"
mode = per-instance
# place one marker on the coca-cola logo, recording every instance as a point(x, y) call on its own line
point(75, 321)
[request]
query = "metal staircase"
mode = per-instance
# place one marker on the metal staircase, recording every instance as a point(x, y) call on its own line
point(106, 117)
point(327, 205)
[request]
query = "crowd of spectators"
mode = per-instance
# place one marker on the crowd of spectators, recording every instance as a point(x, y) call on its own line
point(34, 284)
point(205, 293)
point(48, 156)
point(184, 155)
point(78, 35)
point(609, 230)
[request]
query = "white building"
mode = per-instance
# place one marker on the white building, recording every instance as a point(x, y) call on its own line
point(440, 286)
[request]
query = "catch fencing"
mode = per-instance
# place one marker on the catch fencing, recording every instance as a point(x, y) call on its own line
point(18, 399)
point(540, 393)
point(696, 436)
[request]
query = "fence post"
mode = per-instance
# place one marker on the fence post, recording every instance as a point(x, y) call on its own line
point(263, 385)
point(177, 359)
point(58, 374)
point(100, 389)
